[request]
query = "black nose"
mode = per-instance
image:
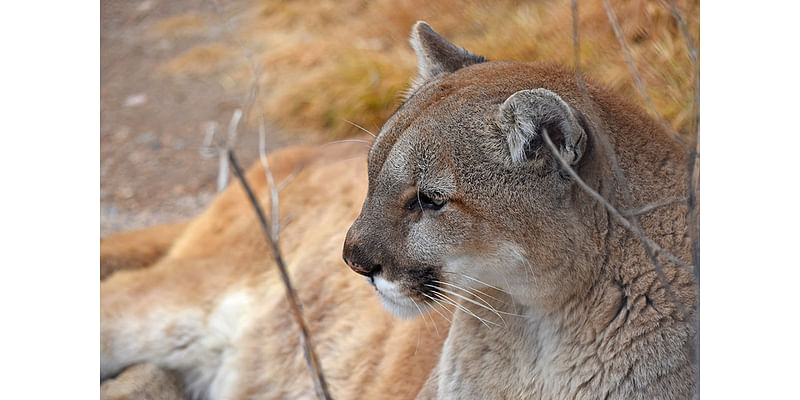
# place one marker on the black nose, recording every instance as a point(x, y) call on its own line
point(360, 265)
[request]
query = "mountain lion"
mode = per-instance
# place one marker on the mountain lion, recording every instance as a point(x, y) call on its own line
point(513, 282)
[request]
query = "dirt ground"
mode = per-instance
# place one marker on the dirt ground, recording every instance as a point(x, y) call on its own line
point(152, 124)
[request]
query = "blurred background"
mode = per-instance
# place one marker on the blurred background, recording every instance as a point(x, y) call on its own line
point(170, 69)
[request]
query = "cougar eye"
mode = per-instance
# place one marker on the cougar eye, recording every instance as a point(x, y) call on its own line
point(424, 201)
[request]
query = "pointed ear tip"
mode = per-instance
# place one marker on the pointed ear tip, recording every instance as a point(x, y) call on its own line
point(420, 28)
point(420, 25)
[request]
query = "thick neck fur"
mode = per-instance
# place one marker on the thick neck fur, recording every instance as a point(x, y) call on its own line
point(614, 332)
point(621, 339)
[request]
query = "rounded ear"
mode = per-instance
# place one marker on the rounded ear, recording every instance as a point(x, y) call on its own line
point(526, 114)
point(436, 55)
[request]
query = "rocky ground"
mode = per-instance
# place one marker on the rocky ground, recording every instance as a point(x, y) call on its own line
point(152, 124)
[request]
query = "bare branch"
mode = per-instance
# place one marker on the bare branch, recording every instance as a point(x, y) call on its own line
point(652, 249)
point(652, 206)
point(684, 30)
point(272, 234)
point(286, 181)
point(694, 156)
point(637, 78)
point(233, 126)
point(208, 150)
point(294, 304)
point(693, 211)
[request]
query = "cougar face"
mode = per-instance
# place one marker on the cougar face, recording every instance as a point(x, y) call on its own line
point(462, 190)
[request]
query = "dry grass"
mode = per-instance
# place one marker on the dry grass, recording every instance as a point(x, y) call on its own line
point(202, 61)
point(330, 61)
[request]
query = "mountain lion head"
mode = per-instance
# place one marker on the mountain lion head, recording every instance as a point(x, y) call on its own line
point(465, 193)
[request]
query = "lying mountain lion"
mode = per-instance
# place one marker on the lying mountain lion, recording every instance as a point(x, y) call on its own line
point(470, 221)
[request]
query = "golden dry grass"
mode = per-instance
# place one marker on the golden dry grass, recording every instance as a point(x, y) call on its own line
point(330, 61)
point(201, 61)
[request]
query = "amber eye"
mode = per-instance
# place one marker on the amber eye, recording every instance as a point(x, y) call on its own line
point(422, 200)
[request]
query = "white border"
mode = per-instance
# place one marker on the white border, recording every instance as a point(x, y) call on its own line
point(49, 203)
point(749, 210)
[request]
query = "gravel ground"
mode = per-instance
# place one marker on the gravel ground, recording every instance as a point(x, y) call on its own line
point(152, 124)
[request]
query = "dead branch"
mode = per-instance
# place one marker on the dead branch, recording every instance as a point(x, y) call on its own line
point(208, 150)
point(652, 249)
point(691, 201)
point(637, 78)
point(294, 304)
point(230, 142)
point(272, 234)
point(262, 145)
point(652, 206)
point(693, 212)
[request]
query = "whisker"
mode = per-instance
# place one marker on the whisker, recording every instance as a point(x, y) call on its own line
point(488, 285)
point(419, 335)
point(361, 127)
point(444, 297)
point(433, 321)
point(435, 309)
point(441, 305)
point(530, 268)
point(477, 280)
point(487, 304)
point(505, 278)
point(422, 314)
point(367, 142)
point(490, 308)
point(471, 290)
point(435, 327)
point(418, 328)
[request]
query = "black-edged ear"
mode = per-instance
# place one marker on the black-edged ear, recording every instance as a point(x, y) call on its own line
point(524, 116)
point(436, 55)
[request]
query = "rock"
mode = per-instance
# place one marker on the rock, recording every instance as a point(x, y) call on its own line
point(135, 100)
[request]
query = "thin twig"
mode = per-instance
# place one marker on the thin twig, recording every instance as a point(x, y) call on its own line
point(652, 250)
point(262, 155)
point(208, 150)
point(694, 156)
point(602, 137)
point(294, 304)
point(692, 212)
point(272, 234)
point(684, 30)
point(637, 78)
point(652, 206)
point(286, 181)
point(230, 142)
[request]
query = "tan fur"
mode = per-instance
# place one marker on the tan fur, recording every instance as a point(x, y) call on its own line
point(467, 205)
point(213, 309)
point(137, 249)
point(142, 382)
point(580, 312)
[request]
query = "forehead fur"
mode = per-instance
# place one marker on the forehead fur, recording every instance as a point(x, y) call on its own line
point(416, 158)
point(455, 111)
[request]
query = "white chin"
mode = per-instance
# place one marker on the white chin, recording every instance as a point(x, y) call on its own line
point(397, 303)
point(400, 308)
